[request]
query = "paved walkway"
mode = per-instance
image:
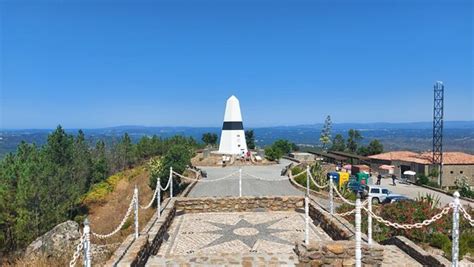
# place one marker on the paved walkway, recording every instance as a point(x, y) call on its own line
point(235, 238)
point(250, 186)
point(413, 191)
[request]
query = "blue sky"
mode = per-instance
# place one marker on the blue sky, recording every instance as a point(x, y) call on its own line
point(163, 63)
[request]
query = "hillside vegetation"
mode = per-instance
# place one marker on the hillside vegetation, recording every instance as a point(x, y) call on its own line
point(43, 186)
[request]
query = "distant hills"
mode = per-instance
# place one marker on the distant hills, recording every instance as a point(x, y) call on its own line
point(416, 136)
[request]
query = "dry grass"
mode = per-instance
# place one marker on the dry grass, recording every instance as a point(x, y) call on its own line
point(107, 205)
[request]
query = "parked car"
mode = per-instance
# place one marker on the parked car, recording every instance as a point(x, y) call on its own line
point(356, 186)
point(392, 199)
point(378, 193)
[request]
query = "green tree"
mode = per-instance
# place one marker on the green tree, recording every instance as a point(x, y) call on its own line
point(283, 145)
point(82, 164)
point(325, 137)
point(126, 152)
point(338, 144)
point(100, 168)
point(178, 157)
point(375, 147)
point(209, 139)
point(354, 137)
point(273, 153)
point(250, 139)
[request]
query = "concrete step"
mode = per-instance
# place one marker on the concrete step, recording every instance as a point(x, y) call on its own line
point(243, 259)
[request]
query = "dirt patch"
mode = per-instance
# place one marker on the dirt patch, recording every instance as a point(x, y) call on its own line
point(107, 215)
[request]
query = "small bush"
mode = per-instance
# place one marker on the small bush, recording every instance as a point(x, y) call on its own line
point(439, 240)
point(422, 180)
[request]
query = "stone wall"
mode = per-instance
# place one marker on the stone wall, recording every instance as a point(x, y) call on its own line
point(239, 204)
point(337, 253)
point(416, 252)
point(135, 252)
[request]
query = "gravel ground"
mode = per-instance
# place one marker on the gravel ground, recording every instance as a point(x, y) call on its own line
point(250, 186)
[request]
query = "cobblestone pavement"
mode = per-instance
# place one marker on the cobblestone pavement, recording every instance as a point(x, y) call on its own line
point(239, 232)
point(250, 187)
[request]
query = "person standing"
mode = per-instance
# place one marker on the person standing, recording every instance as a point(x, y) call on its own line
point(379, 178)
point(394, 177)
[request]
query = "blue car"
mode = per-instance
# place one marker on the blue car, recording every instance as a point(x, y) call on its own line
point(392, 199)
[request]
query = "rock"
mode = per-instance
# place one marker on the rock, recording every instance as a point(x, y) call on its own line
point(335, 248)
point(63, 238)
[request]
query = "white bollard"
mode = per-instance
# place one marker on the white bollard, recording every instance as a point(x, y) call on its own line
point(136, 211)
point(240, 182)
point(358, 235)
point(158, 206)
point(455, 232)
point(171, 182)
point(306, 208)
point(87, 244)
point(369, 221)
point(306, 220)
point(331, 196)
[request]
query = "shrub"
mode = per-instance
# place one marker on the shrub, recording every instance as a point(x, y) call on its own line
point(422, 180)
point(439, 240)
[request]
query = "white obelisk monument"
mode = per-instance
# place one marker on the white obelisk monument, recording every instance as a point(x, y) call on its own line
point(233, 135)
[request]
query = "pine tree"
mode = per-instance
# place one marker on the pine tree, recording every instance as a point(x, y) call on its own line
point(100, 169)
point(338, 144)
point(353, 140)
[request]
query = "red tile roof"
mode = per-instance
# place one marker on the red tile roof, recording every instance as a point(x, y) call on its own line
point(449, 158)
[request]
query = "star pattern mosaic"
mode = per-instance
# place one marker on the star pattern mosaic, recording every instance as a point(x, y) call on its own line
point(239, 232)
point(250, 233)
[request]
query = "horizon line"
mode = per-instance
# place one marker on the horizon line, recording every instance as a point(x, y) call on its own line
point(251, 126)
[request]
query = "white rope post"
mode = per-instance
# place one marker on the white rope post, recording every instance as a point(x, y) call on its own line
point(369, 221)
point(306, 209)
point(135, 194)
point(331, 196)
point(171, 182)
point(87, 244)
point(240, 182)
point(455, 232)
point(158, 206)
point(358, 235)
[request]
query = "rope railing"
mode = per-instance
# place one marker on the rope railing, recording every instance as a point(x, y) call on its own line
point(455, 206)
point(77, 253)
point(316, 184)
point(426, 222)
point(265, 179)
point(119, 227)
point(203, 180)
point(166, 186)
point(466, 215)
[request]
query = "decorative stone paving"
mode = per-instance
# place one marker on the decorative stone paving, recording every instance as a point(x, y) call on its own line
point(239, 232)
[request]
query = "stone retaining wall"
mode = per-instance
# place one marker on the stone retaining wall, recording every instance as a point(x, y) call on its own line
point(239, 204)
point(337, 253)
point(417, 253)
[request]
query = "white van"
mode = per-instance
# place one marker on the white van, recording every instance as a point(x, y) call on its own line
point(377, 193)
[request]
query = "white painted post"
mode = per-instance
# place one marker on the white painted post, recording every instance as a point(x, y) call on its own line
point(455, 232)
point(331, 196)
point(306, 208)
point(358, 235)
point(369, 221)
point(136, 211)
point(171, 182)
point(159, 197)
point(240, 182)
point(87, 244)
